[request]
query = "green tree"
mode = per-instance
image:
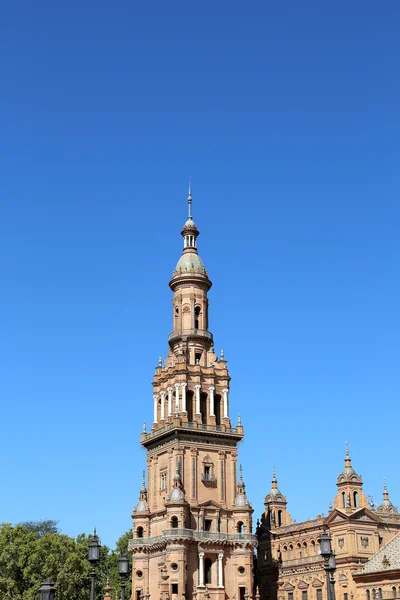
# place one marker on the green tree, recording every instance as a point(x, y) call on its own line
point(41, 527)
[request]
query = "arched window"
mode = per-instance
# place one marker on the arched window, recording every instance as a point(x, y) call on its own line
point(139, 532)
point(394, 593)
point(207, 570)
point(344, 499)
point(174, 522)
point(217, 409)
point(368, 594)
point(189, 405)
point(355, 497)
point(279, 518)
point(197, 313)
point(203, 407)
point(291, 551)
point(380, 593)
point(305, 549)
point(240, 527)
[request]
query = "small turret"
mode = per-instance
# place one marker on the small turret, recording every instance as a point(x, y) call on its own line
point(350, 496)
point(387, 506)
point(275, 505)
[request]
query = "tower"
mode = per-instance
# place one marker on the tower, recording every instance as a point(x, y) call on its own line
point(192, 526)
point(350, 495)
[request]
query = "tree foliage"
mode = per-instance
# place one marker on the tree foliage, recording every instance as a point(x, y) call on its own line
point(31, 552)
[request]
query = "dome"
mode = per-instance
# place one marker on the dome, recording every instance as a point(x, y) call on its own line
point(190, 224)
point(177, 494)
point(141, 506)
point(190, 263)
point(241, 500)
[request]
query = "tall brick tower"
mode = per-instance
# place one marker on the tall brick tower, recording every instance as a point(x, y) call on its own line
point(192, 526)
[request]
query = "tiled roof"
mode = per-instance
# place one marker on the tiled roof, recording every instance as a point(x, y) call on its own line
point(386, 559)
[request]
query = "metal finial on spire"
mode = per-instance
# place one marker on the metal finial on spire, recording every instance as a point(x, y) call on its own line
point(241, 473)
point(144, 427)
point(189, 201)
point(273, 473)
point(239, 419)
point(222, 354)
point(160, 361)
point(144, 478)
point(384, 486)
point(347, 449)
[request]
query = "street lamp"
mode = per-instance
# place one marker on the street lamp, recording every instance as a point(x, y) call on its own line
point(330, 563)
point(94, 557)
point(47, 591)
point(123, 570)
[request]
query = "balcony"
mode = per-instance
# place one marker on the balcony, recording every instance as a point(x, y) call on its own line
point(184, 425)
point(187, 333)
point(208, 479)
point(195, 536)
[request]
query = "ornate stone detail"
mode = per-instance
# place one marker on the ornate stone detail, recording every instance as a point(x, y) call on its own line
point(341, 542)
point(364, 541)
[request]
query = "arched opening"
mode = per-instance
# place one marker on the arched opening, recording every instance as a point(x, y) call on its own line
point(217, 409)
point(313, 547)
point(189, 405)
point(298, 550)
point(240, 527)
point(159, 410)
point(305, 552)
point(174, 522)
point(344, 499)
point(207, 570)
point(290, 551)
point(197, 314)
point(368, 594)
point(203, 407)
point(139, 532)
point(380, 593)
point(279, 518)
point(176, 320)
point(394, 594)
point(355, 498)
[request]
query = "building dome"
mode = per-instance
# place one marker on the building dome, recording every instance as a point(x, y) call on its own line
point(141, 506)
point(241, 500)
point(190, 224)
point(177, 494)
point(190, 263)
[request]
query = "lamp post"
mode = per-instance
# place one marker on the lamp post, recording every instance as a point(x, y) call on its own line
point(123, 570)
point(47, 591)
point(330, 564)
point(94, 557)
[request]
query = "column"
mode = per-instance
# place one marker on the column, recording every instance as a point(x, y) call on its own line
point(183, 396)
point(197, 387)
point(169, 401)
point(177, 398)
point(162, 394)
point(220, 573)
point(225, 392)
point(201, 569)
point(212, 390)
point(155, 398)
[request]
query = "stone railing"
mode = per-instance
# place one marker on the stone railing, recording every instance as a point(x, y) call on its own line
point(189, 534)
point(197, 426)
point(190, 332)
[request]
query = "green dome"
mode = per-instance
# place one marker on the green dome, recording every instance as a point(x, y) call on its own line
point(190, 263)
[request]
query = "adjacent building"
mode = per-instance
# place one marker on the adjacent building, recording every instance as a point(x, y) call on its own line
point(289, 564)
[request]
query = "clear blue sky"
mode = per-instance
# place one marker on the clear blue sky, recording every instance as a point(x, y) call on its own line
point(286, 116)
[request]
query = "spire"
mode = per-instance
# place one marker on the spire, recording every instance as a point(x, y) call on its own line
point(348, 469)
point(385, 490)
point(274, 479)
point(107, 590)
point(189, 202)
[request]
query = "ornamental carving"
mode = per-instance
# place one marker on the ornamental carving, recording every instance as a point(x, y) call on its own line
point(364, 541)
point(341, 542)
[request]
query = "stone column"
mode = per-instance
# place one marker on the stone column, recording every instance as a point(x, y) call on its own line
point(197, 387)
point(212, 390)
point(201, 569)
point(169, 401)
point(177, 398)
point(155, 398)
point(220, 572)
point(225, 392)
point(162, 394)
point(184, 396)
